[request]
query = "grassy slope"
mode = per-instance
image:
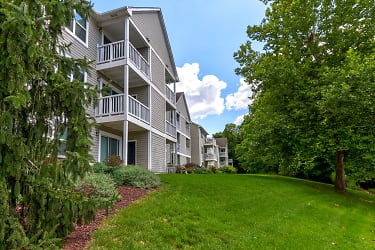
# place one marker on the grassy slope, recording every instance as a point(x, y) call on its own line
point(242, 212)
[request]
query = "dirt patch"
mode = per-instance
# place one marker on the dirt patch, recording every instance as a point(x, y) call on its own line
point(81, 236)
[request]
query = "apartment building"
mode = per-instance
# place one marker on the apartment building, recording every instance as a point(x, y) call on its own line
point(222, 144)
point(133, 67)
point(198, 139)
point(181, 151)
point(207, 151)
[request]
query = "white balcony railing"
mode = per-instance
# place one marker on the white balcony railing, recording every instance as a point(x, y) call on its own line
point(170, 129)
point(114, 105)
point(116, 51)
point(111, 52)
point(110, 105)
point(171, 96)
point(139, 110)
point(137, 59)
point(210, 157)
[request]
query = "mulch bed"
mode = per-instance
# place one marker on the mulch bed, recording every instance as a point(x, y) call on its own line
point(79, 238)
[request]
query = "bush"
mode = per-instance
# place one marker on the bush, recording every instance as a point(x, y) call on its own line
point(189, 167)
point(100, 187)
point(113, 160)
point(201, 171)
point(213, 170)
point(104, 169)
point(180, 170)
point(135, 176)
point(227, 170)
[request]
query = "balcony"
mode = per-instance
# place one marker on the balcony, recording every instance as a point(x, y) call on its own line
point(113, 105)
point(112, 52)
point(210, 141)
point(139, 110)
point(210, 157)
point(170, 129)
point(171, 96)
point(110, 105)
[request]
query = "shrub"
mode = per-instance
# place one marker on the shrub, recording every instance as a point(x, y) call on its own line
point(189, 167)
point(227, 170)
point(102, 168)
point(100, 187)
point(113, 160)
point(135, 176)
point(180, 170)
point(213, 170)
point(201, 171)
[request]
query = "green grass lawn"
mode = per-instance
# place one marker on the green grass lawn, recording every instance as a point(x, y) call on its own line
point(242, 212)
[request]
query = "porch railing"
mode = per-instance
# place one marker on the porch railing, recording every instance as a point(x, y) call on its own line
point(110, 105)
point(139, 110)
point(114, 105)
point(170, 95)
point(111, 52)
point(138, 60)
point(170, 129)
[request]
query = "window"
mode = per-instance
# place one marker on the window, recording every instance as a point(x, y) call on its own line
point(62, 143)
point(78, 26)
point(79, 76)
point(108, 146)
point(187, 143)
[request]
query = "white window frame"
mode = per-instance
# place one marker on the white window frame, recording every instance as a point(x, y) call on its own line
point(73, 31)
point(109, 135)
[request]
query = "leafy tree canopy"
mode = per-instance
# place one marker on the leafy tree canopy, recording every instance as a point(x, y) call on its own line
point(314, 90)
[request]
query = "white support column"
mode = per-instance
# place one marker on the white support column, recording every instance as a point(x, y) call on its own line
point(126, 95)
point(125, 143)
point(149, 150)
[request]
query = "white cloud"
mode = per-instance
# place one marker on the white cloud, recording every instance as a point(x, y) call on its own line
point(238, 121)
point(240, 99)
point(203, 95)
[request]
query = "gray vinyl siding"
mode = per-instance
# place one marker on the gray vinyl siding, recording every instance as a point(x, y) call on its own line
point(158, 111)
point(79, 50)
point(94, 149)
point(141, 139)
point(158, 76)
point(181, 107)
point(196, 144)
point(158, 164)
point(141, 93)
point(150, 26)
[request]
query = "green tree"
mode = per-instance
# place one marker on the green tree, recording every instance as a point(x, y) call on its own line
point(314, 87)
point(38, 104)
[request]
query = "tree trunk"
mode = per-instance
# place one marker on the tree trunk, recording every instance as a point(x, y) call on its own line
point(340, 185)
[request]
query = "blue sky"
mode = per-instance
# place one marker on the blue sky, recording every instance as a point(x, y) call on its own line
point(203, 35)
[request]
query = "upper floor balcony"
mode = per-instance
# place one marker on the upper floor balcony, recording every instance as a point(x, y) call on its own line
point(210, 157)
point(112, 106)
point(112, 54)
point(171, 96)
point(170, 129)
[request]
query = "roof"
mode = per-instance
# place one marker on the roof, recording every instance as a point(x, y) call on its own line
point(222, 142)
point(128, 11)
point(180, 95)
point(200, 127)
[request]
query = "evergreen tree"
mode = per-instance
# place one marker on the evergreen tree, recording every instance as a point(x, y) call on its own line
point(38, 104)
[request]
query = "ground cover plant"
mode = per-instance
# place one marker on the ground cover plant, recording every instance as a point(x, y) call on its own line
point(242, 212)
